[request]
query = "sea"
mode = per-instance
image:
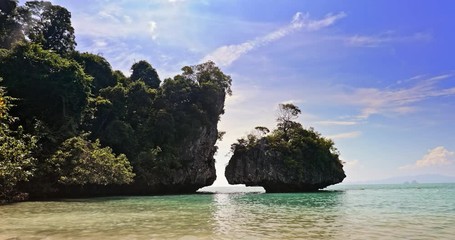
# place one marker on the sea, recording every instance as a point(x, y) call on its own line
point(400, 211)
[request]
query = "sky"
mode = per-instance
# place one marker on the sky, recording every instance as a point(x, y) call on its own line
point(378, 77)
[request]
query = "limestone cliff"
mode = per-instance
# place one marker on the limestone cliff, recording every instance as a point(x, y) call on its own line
point(195, 153)
point(281, 171)
point(198, 171)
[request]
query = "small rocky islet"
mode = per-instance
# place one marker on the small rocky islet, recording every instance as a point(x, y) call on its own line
point(289, 159)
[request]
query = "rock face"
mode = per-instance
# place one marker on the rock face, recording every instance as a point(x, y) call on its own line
point(199, 170)
point(196, 154)
point(264, 166)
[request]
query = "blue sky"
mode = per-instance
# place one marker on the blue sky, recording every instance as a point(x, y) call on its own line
point(376, 76)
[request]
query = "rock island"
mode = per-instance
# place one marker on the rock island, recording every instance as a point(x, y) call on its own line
point(288, 159)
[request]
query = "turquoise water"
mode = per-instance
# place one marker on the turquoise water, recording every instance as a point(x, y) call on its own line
point(422, 211)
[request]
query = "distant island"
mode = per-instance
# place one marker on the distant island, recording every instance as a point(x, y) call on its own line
point(288, 159)
point(422, 178)
point(71, 126)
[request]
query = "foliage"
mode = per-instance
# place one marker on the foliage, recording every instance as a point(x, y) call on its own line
point(143, 71)
point(208, 73)
point(48, 25)
point(50, 88)
point(97, 67)
point(121, 137)
point(286, 113)
point(10, 28)
point(79, 161)
point(16, 160)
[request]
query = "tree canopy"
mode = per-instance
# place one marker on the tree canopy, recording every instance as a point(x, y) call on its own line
point(97, 67)
point(10, 27)
point(50, 88)
point(143, 71)
point(48, 25)
point(79, 161)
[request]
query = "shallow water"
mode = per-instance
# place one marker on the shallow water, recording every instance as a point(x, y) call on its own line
point(423, 211)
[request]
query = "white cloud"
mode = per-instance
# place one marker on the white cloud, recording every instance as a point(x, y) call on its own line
point(438, 156)
point(381, 39)
point(318, 24)
point(105, 26)
point(395, 101)
point(127, 19)
point(119, 19)
point(353, 134)
point(114, 13)
point(178, 27)
point(99, 43)
point(337, 123)
point(152, 28)
point(225, 55)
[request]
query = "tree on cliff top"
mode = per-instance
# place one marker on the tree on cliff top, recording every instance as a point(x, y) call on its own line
point(287, 112)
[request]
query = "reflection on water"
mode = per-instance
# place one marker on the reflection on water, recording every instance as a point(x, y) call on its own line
point(278, 216)
point(426, 212)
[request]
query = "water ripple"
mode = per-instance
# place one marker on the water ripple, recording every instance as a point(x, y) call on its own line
point(376, 212)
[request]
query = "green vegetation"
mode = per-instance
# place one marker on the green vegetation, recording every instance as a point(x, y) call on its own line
point(17, 163)
point(300, 149)
point(79, 161)
point(68, 119)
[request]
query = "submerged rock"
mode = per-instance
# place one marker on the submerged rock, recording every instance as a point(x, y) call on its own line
point(307, 167)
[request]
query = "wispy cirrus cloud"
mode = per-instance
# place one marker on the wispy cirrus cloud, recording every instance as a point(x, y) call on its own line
point(134, 19)
point(336, 123)
point(384, 38)
point(438, 156)
point(353, 134)
point(396, 100)
point(225, 55)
